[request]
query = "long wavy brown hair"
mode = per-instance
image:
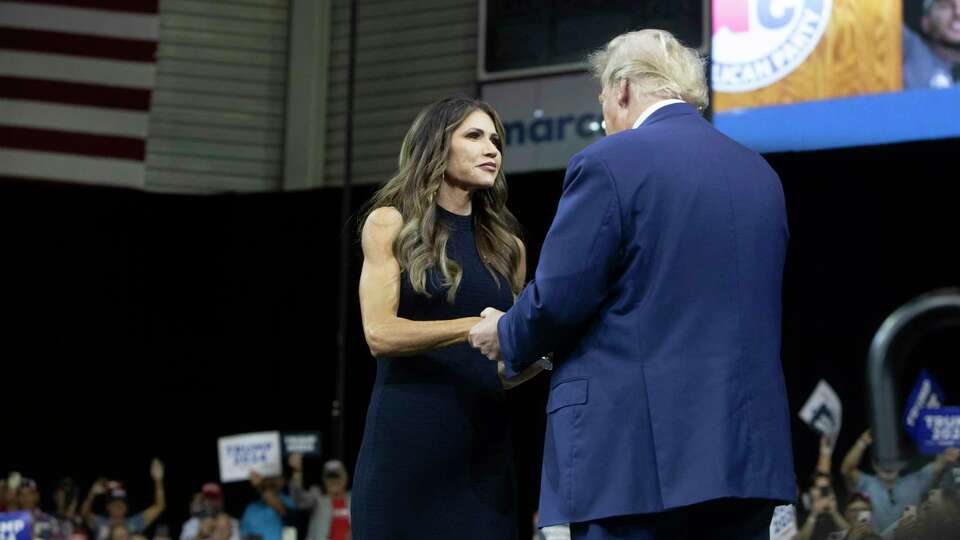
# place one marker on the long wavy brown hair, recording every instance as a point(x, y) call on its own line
point(413, 190)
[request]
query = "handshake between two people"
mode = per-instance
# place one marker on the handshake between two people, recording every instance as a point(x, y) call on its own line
point(483, 336)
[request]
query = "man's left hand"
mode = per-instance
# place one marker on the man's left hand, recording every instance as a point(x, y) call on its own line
point(484, 336)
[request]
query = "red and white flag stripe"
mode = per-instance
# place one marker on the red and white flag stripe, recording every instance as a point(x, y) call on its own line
point(75, 83)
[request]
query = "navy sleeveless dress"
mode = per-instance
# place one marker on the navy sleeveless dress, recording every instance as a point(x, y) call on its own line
point(436, 461)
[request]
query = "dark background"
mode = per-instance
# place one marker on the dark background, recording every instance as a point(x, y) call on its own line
point(539, 33)
point(139, 324)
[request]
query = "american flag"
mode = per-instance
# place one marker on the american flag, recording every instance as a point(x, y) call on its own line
point(75, 83)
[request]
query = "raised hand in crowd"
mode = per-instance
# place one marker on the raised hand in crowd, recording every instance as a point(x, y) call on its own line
point(255, 479)
point(269, 489)
point(945, 458)
point(98, 488)
point(824, 460)
point(851, 462)
point(302, 497)
point(159, 496)
point(295, 460)
point(65, 499)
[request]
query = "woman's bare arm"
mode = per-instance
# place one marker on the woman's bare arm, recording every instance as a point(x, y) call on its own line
point(387, 334)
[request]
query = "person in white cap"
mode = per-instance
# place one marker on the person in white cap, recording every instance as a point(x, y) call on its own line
point(330, 506)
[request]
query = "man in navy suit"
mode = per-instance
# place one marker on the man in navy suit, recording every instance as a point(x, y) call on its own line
point(658, 291)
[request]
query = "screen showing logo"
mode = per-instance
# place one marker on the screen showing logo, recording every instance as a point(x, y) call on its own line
point(758, 42)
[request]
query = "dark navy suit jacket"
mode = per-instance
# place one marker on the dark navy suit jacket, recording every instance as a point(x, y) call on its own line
point(658, 290)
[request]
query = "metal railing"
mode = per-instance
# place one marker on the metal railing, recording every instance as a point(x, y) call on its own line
point(889, 351)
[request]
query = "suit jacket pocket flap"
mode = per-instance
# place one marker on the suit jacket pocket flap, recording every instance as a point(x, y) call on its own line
point(567, 393)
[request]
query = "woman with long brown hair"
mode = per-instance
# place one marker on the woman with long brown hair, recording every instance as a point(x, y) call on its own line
point(439, 246)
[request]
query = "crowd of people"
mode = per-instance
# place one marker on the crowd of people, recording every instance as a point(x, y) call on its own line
point(270, 516)
point(886, 503)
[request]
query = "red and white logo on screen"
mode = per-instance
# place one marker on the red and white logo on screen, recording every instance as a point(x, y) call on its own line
point(758, 42)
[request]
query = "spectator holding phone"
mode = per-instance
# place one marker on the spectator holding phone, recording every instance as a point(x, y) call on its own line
point(859, 510)
point(117, 507)
point(823, 518)
point(890, 492)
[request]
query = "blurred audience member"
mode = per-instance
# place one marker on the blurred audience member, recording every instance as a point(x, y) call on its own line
point(933, 59)
point(862, 531)
point(65, 499)
point(161, 532)
point(939, 515)
point(819, 517)
point(116, 504)
point(119, 531)
point(859, 511)
point(889, 492)
point(330, 506)
point(225, 527)
point(8, 492)
point(263, 518)
point(218, 527)
point(45, 526)
point(824, 518)
point(208, 504)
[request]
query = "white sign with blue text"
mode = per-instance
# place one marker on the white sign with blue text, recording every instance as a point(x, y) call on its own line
point(823, 411)
point(240, 454)
point(547, 120)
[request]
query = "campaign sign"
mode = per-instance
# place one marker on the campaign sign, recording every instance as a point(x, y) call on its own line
point(239, 454)
point(926, 394)
point(938, 429)
point(823, 411)
point(757, 43)
point(16, 526)
point(784, 523)
point(302, 442)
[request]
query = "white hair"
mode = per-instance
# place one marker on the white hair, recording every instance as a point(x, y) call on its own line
point(656, 64)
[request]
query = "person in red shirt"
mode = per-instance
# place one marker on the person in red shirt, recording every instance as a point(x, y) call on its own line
point(329, 506)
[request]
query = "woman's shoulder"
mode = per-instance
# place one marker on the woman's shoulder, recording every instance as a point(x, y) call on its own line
point(381, 228)
point(384, 216)
point(383, 220)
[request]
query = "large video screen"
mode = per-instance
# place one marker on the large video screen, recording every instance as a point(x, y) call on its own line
point(791, 75)
point(525, 37)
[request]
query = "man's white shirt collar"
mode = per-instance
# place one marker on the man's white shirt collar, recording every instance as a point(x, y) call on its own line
point(654, 108)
